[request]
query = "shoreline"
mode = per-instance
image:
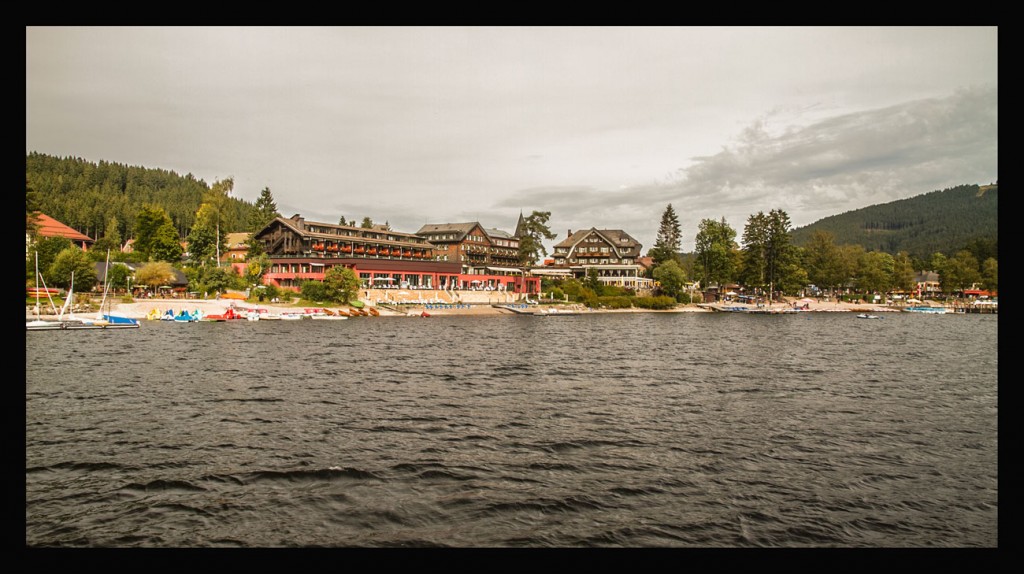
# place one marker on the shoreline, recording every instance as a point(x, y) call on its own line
point(140, 309)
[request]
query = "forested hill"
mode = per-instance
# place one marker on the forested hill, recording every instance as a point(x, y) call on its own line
point(87, 196)
point(941, 221)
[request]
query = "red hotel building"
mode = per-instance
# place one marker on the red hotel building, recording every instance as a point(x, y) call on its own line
point(301, 250)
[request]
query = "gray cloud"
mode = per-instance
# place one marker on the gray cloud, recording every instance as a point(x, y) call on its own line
point(831, 166)
point(601, 126)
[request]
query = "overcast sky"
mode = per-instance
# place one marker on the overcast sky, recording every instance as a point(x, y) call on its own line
point(602, 126)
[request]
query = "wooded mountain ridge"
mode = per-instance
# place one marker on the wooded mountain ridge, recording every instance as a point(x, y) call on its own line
point(943, 221)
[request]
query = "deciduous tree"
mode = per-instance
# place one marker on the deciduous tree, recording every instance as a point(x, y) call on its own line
point(342, 283)
point(716, 252)
point(72, 260)
point(154, 274)
point(672, 279)
point(990, 274)
point(960, 272)
point(166, 244)
point(533, 233)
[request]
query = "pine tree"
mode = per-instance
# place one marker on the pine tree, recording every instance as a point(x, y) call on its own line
point(265, 212)
point(667, 245)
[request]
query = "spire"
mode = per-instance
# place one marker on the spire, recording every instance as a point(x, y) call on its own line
point(520, 231)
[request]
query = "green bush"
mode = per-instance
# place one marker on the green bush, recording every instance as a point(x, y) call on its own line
point(313, 291)
point(615, 302)
point(656, 303)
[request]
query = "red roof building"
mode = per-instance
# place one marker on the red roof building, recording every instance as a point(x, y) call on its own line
point(47, 226)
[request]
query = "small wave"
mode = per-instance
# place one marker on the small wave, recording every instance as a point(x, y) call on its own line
point(163, 485)
point(552, 466)
point(546, 505)
point(445, 474)
point(626, 491)
point(331, 473)
point(574, 445)
point(86, 466)
point(252, 400)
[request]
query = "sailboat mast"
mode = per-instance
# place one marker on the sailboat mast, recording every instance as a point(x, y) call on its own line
point(67, 302)
point(106, 282)
point(38, 312)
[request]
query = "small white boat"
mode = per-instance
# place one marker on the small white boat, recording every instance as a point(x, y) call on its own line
point(329, 317)
point(926, 309)
point(555, 312)
point(867, 316)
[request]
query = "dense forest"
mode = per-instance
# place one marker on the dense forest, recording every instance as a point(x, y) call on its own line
point(937, 222)
point(89, 196)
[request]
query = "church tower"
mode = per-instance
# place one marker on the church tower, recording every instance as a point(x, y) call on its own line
point(520, 226)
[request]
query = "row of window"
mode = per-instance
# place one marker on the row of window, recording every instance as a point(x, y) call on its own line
point(608, 261)
point(364, 234)
point(592, 249)
point(477, 238)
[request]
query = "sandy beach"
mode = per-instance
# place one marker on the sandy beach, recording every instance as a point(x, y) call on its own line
point(139, 309)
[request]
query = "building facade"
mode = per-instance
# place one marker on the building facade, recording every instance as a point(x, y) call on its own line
point(47, 226)
point(237, 248)
point(476, 248)
point(301, 250)
point(613, 253)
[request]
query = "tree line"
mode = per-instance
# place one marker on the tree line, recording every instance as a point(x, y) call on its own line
point(767, 260)
point(162, 210)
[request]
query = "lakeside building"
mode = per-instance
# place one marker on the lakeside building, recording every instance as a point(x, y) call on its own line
point(46, 226)
point(612, 252)
point(301, 250)
point(476, 248)
point(237, 248)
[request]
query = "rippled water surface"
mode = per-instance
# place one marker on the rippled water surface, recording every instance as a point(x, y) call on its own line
point(672, 430)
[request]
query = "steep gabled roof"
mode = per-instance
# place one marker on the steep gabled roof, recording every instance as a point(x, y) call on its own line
point(301, 227)
point(615, 237)
point(50, 227)
point(499, 234)
point(236, 240)
point(462, 229)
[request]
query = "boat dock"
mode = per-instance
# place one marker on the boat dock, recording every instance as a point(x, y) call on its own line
point(518, 308)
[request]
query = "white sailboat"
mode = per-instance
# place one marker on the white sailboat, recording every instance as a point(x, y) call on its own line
point(40, 324)
point(117, 321)
point(62, 322)
point(66, 319)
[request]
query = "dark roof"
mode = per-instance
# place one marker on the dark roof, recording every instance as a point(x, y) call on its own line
point(499, 234)
point(462, 229)
point(180, 280)
point(615, 237)
point(520, 226)
point(459, 228)
point(300, 226)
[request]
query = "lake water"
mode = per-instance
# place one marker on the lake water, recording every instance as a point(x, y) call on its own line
point(606, 430)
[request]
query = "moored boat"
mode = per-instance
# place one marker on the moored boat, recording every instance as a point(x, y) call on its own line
point(227, 315)
point(926, 309)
